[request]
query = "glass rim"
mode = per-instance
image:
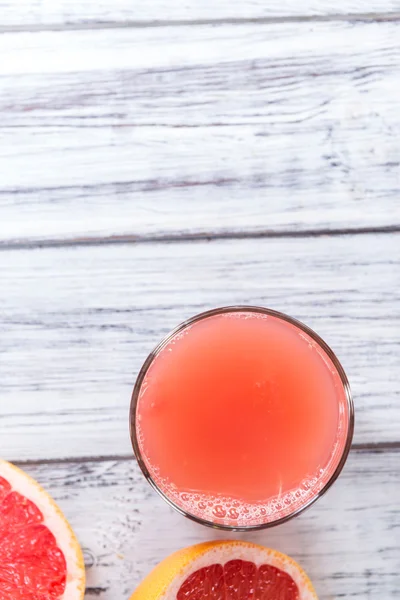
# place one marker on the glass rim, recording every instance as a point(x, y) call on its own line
point(166, 340)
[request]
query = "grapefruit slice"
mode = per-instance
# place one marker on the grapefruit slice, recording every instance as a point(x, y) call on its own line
point(40, 558)
point(226, 571)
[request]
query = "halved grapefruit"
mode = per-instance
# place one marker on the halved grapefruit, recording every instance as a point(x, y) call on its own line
point(226, 571)
point(40, 558)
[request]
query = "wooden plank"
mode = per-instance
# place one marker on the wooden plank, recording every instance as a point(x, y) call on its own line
point(347, 542)
point(77, 323)
point(66, 13)
point(72, 12)
point(188, 129)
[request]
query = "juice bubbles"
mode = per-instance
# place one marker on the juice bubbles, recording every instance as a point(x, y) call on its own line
point(241, 418)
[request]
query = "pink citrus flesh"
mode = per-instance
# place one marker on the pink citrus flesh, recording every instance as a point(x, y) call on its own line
point(40, 558)
point(239, 580)
point(226, 570)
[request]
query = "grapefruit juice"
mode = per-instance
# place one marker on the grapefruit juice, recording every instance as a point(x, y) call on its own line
point(241, 417)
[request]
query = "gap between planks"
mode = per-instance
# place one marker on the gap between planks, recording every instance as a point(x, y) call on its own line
point(132, 24)
point(379, 447)
point(202, 236)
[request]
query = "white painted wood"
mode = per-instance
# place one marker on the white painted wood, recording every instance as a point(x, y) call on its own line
point(67, 12)
point(77, 323)
point(175, 129)
point(347, 541)
point(170, 130)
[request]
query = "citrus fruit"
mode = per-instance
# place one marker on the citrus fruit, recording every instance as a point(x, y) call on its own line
point(226, 571)
point(40, 558)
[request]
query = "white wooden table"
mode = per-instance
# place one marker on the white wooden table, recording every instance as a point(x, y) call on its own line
point(161, 158)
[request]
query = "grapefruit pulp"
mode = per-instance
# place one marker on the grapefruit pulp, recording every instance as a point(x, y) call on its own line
point(40, 558)
point(226, 571)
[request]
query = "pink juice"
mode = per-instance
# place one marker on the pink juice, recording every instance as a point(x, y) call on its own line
point(242, 418)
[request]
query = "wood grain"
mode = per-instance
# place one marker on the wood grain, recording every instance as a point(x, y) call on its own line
point(77, 323)
point(191, 129)
point(30, 13)
point(348, 541)
point(182, 120)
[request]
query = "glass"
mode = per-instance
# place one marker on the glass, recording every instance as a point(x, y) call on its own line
point(283, 507)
